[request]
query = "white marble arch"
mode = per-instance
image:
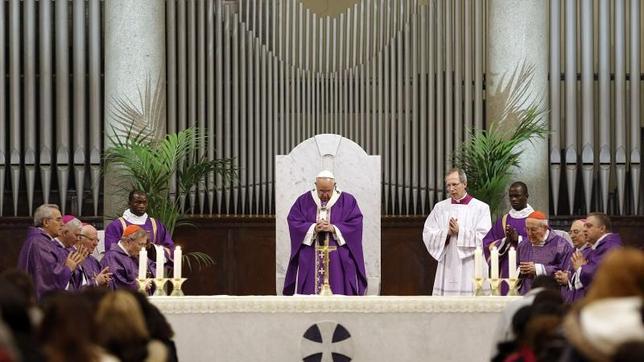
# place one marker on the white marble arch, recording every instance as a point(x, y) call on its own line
point(356, 173)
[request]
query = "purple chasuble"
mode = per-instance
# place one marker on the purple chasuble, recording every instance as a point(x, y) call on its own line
point(87, 270)
point(124, 268)
point(346, 267)
point(495, 236)
point(596, 255)
point(573, 295)
point(44, 260)
point(552, 255)
point(114, 232)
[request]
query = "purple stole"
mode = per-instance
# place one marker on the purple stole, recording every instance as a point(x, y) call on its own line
point(497, 233)
point(347, 273)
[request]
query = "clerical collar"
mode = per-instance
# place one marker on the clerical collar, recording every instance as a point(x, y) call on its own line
point(123, 248)
point(134, 219)
point(596, 244)
point(521, 214)
point(463, 200)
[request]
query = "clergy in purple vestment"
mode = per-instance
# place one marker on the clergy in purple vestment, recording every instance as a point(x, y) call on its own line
point(91, 272)
point(580, 243)
point(136, 215)
point(45, 254)
point(316, 215)
point(544, 254)
point(601, 240)
point(509, 229)
point(123, 258)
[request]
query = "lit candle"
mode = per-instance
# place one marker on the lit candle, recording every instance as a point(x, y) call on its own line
point(478, 263)
point(177, 262)
point(494, 258)
point(512, 263)
point(143, 263)
point(160, 261)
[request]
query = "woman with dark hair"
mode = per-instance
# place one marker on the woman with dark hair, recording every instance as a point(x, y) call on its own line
point(157, 325)
point(67, 330)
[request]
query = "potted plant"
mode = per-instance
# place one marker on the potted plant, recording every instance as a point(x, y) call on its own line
point(168, 167)
point(489, 157)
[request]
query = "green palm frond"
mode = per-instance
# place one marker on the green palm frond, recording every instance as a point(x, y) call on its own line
point(200, 259)
point(150, 161)
point(490, 156)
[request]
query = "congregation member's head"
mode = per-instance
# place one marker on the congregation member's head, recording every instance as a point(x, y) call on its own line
point(577, 234)
point(597, 225)
point(122, 327)
point(156, 323)
point(138, 202)
point(70, 231)
point(48, 218)
point(456, 183)
point(518, 195)
point(134, 238)
point(23, 283)
point(88, 237)
point(536, 226)
point(325, 184)
point(68, 332)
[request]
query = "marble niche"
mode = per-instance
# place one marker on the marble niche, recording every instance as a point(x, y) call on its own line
point(355, 172)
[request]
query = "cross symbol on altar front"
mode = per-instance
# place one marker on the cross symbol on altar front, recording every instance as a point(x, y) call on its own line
point(327, 347)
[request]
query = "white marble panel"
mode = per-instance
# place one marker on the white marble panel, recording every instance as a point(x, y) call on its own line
point(270, 328)
point(356, 173)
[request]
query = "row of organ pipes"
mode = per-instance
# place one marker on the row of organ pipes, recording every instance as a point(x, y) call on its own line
point(402, 78)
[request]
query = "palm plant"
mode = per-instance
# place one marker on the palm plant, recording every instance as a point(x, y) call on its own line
point(489, 157)
point(151, 162)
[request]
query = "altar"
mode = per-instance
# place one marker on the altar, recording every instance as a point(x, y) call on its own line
point(313, 328)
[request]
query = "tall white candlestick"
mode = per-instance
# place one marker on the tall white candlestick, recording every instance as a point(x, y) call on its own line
point(143, 263)
point(512, 263)
point(478, 263)
point(494, 259)
point(177, 262)
point(160, 261)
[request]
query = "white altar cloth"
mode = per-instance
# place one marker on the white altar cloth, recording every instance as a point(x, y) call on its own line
point(381, 328)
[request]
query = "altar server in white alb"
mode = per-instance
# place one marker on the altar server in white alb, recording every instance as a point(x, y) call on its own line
point(453, 230)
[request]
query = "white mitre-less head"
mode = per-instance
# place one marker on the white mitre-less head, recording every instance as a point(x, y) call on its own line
point(325, 174)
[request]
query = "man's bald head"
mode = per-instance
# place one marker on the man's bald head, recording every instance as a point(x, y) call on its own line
point(577, 234)
point(89, 237)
